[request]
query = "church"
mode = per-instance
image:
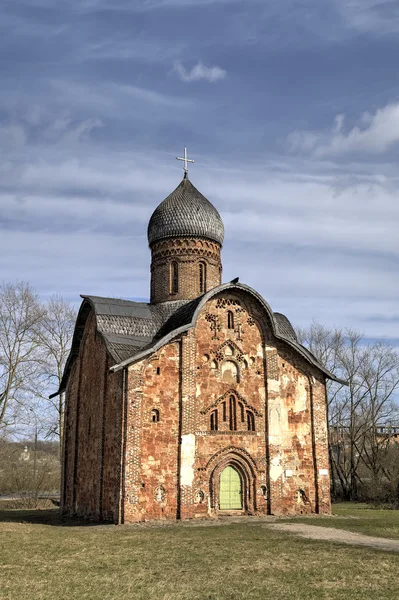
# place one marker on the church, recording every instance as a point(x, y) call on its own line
point(197, 404)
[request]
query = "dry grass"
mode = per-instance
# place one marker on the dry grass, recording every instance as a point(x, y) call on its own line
point(43, 559)
point(360, 518)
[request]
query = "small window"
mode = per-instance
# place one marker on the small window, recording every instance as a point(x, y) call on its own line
point(174, 277)
point(250, 420)
point(233, 415)
point(224, 411)
point(202, 277)
point(214, 420)
point(158, 370)
point(155, 415)
point(230, 320)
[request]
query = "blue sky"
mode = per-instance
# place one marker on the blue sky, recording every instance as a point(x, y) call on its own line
point(289, 108)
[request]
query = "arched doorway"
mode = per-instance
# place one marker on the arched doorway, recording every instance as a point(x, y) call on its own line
point(230, 491)
point(232, 482)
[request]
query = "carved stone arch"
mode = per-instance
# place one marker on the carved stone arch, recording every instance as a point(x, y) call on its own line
point(242, 462)
point(218, 456)
point(237, 351)
point(240, 398)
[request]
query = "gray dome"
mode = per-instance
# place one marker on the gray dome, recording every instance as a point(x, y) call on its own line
point(185, 213)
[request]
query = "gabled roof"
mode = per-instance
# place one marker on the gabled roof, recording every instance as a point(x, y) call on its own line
point(125, 326)
point(186, 316)
point(134, 330)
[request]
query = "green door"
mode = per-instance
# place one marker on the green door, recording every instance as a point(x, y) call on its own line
point(230, 490)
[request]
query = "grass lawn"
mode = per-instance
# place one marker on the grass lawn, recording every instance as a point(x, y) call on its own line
point(360, 518)
point(41, 559)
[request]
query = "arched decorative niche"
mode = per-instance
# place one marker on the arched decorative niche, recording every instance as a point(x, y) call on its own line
point(155, 415)
point(230, 372)
point(229, 350)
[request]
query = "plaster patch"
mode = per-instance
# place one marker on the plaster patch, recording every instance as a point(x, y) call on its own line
point(187, 459)
point(273, 385)
point(276, 469)
point(300, 395)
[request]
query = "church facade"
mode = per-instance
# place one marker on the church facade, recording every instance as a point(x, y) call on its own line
point(196, 404)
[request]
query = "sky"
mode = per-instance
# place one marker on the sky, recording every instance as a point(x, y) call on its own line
point(290, 109)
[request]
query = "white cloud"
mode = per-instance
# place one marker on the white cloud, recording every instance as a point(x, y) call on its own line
point(379, 17)
point(198, 72)
point(374, 134)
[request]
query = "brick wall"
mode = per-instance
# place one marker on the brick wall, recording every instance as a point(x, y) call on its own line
point(188, 253)
point(152, 449)
point(282, 460)
point(92, 432)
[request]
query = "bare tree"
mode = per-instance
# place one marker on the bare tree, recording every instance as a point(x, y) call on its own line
point(20, 313)
point(55, 331)
point(358, 452)
point(379, 372)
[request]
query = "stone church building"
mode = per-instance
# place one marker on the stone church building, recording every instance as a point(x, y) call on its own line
point(196, 404)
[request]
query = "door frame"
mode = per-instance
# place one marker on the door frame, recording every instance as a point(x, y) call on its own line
point(248, 484)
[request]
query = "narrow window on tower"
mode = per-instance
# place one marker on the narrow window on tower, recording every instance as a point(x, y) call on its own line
point(230, 320)
point(202, 277)
point(174, 277)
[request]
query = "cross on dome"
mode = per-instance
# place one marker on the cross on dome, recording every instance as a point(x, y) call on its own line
point(186, 160)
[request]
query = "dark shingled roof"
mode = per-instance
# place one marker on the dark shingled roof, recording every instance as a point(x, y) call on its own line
point(132, 330)
point(185, 213)
point(284, 327)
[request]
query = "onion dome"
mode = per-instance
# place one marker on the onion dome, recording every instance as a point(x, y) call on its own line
point(185, 213)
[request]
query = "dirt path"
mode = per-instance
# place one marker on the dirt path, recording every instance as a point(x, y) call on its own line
point(330, 534)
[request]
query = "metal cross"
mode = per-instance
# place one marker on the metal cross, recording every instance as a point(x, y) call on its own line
point(186, 160)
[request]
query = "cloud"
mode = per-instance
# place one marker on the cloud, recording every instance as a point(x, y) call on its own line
point(325, 243)
point(379, 17)
point(108, 97)
point(374, 134)
point(198, 72)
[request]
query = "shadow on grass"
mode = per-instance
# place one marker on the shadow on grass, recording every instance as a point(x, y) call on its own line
point(49, 516)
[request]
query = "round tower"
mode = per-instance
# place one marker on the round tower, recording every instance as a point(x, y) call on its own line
point(185, 235)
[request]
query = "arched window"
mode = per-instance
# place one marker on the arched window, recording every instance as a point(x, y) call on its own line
point(250, 420)
point(214, 420)
point(230, 320)
point(174, 277)
point(155, 415)
point(242, 413)
point(233, 414)
point(202, 277)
